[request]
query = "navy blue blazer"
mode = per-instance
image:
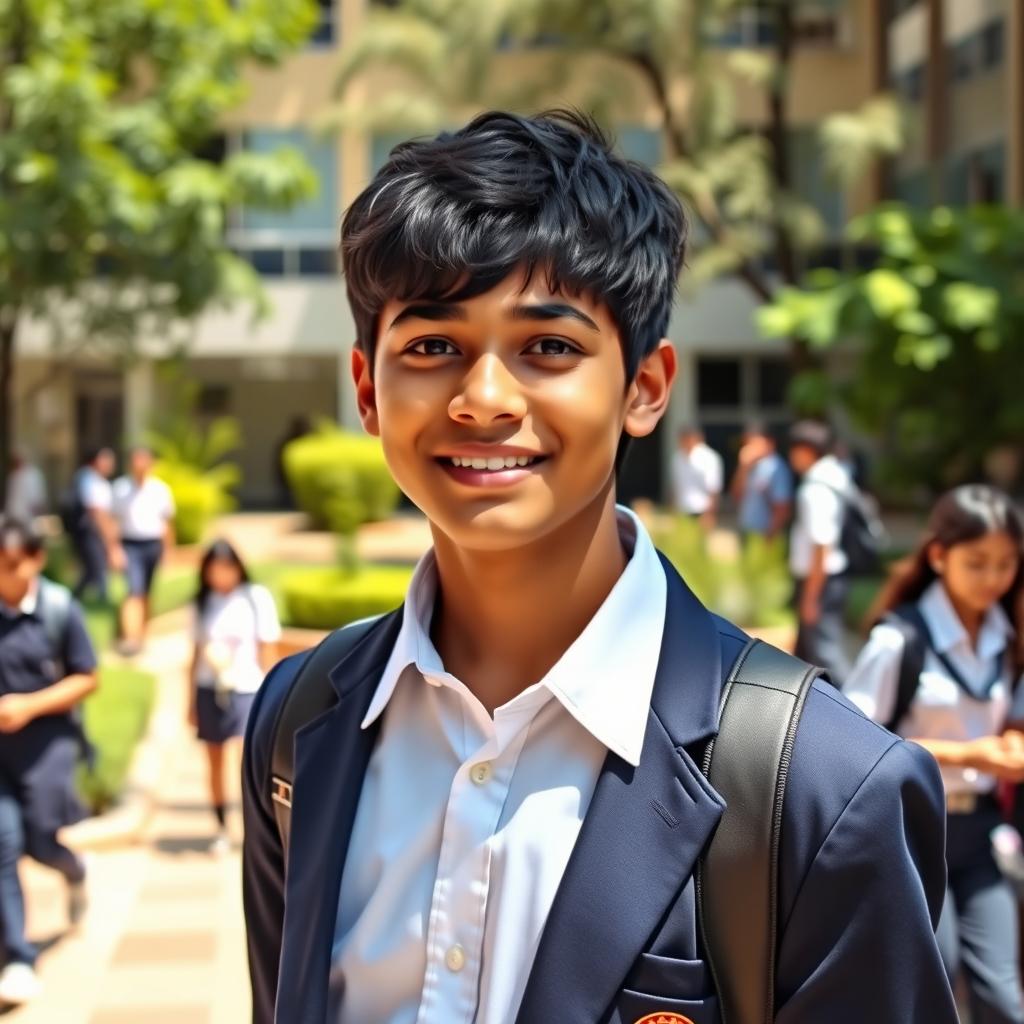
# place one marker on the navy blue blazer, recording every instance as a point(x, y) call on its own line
point(862, 870)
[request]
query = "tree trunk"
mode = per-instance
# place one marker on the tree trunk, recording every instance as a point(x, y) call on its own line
point(8, 323)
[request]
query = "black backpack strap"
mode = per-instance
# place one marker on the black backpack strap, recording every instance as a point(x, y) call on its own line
point(55, 612)
point(310, 695)
point(747, 764)
point(910, 624)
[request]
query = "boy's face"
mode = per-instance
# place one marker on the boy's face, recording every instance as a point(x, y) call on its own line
point(18, 568)
point(463, 394)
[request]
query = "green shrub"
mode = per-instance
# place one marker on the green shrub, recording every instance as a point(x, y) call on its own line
point(752, 589)
point(328, 597)
point(199, 496)
point(115, 720)
point(340, 479)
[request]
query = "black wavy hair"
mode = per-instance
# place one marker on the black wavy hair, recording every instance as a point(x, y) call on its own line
point(448, 218)
point(19, 535)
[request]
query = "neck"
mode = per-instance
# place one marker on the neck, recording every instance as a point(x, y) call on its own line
point(504, 618)
point(969, 617)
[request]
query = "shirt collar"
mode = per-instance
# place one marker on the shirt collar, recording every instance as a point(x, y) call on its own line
point(949, 632)
point(606, 676)
point(29, 603)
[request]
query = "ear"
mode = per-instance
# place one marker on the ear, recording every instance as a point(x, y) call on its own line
point(651, 389)
point(937, 557)
point(366, 393)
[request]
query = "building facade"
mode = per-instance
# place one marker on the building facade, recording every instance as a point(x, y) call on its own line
point(295, 363)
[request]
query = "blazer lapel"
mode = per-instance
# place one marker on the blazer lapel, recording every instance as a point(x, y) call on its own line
point(643, 833)
point(331, 755)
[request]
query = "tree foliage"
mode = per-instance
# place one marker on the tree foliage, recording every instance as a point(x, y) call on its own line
point(939, 326)
point(112, 208)
point(418, 65)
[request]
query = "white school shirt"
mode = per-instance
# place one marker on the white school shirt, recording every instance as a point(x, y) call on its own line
point(143, 510)
point(696, 478)
point(465, 823)
point(94, 490)
point(228, 635)
point(942, 709)
point(26, 493)
point(818, 517)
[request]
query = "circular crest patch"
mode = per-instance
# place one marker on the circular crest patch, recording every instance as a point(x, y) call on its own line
point(664, 1017)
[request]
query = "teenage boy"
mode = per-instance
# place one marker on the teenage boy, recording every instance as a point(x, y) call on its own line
point(816, 557)
point(90, 524)
point(47, 667)
point(500, 816)
point(144, 510)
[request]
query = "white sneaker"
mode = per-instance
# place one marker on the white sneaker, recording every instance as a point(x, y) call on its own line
point(220, 845)
point(18, 984)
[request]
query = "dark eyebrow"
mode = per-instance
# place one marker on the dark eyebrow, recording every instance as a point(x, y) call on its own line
point(430, 311)
point(552, 311)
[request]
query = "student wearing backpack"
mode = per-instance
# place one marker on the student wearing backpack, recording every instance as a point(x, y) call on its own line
point(47, 667)
point(87, 514)
point(236, 632)
point(940, 668)
point(489, 805)
point(817, 559)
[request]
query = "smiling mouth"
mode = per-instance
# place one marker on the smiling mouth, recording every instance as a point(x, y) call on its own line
point(494, 464)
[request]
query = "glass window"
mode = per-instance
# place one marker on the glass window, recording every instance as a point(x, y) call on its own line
point(773, 377)
point(269, 262)
point(381, 146)
point(810, 180)
point(992, 37)
point(318, 214)
point(323, 33)
point(718, 382)
point(318, 262)
point(913, 189)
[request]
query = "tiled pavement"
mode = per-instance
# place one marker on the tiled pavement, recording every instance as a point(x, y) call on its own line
point(163, 940)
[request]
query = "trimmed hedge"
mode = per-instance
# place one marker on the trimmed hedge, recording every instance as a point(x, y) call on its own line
point(340, 479)
point(328, 597)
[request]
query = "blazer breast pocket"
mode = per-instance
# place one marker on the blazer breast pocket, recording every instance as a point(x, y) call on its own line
point(680, 991)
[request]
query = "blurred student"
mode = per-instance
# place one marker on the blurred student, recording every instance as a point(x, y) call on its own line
point(762, 486)
point(236, 634)
point(697, 477)
point(816, 556)
point(144, 510)
point(89, 523)
point(26, 489)
point(47, 667)
point(940, 668)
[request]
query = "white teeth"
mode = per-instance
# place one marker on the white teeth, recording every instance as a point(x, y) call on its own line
point(493, 465)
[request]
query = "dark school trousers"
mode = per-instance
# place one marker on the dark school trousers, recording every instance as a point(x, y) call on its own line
point(978, 927)
point(823, 643)
point(92, 556)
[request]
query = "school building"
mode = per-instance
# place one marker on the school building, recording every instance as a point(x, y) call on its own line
point(959, 62)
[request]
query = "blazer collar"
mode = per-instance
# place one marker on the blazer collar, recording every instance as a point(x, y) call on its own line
point(643, 833)
point(331, 755)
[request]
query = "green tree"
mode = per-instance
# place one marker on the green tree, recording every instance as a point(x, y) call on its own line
point(112, 209)
point(420, 64)
point(938, 327)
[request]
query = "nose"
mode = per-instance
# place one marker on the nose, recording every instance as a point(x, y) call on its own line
point(490, 393)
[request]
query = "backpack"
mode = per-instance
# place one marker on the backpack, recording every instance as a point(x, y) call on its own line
point(72, 511)
point(862, 535)
point(746, 763)
point(54, 608)
point(917, 641)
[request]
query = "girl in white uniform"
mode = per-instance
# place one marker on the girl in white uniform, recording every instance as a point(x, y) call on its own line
point(236, 633)
point(962, 593)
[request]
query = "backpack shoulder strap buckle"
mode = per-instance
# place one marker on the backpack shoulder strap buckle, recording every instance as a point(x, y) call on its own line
point(281, 791)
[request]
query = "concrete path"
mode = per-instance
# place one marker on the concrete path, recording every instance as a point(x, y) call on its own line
point(163, 940)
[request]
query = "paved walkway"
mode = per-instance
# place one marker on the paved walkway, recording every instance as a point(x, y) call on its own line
point(163, 941)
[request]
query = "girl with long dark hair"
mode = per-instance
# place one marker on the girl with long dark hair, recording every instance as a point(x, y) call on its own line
point(960, 600)
point(236, 633)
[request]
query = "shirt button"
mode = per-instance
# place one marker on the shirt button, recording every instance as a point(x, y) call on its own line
point(455, 958)
point(481, 773)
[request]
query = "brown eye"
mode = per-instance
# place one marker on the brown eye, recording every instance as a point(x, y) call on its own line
point(552, 347)
point(433, 347)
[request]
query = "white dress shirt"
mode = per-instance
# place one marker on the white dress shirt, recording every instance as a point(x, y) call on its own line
point(466, 823)
point(697, 478)
point(142, 510)
point(229, 634)
point(818, 517)
point(26, 493)
point(942, 709)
